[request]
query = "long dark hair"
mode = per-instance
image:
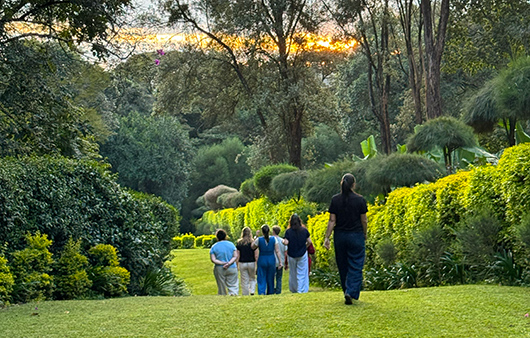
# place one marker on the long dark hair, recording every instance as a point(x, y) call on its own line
point(265, 230)
point(295, 222)
point(346, 184)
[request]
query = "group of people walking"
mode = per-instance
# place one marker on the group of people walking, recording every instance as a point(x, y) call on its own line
point(267, 255)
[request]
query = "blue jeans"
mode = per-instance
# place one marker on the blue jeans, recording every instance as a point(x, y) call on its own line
point(349, 254)
point(278, 276)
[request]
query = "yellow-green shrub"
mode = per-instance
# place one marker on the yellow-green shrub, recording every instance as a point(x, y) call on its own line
point(6, 282)
point(317, 230)
point(30, 268)
point(188, 241)
point(177, 242)
point(70, 276)
point(450, 198)
point(107, 277)
point(514, 168)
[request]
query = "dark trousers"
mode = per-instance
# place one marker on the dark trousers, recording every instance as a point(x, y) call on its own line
point(278, 277)
point(349, 254)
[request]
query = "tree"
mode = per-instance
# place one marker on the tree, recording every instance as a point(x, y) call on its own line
point(274, 41)
point(151, 155)
point(69, 22)
point(371, 27)
point(496, 26)
point(434, 48)
point(411, 22)
point(504, 98)
point(42, 110)
point(446, 133)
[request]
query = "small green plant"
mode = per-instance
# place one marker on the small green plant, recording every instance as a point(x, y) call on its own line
point(386, 251)
point(162, 282)
point(30, 268)
point(325, 278)
point(70, 276)
point(478, 240)
point(108, 278)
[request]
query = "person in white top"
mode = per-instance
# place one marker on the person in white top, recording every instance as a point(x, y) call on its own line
point(279, 269)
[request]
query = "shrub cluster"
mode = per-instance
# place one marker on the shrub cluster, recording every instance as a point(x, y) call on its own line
point(256, 213)
point(467, 227)
point(189, 241)
point(65, 198)
point(31, 274)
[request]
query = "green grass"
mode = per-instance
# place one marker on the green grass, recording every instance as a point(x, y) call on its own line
point(195, 267)
point(456, 311)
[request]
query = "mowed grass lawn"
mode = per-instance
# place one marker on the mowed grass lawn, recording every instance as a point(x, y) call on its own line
point(456, 311)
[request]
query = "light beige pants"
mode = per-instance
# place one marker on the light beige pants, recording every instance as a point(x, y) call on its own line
point(226, 279)
point(248, 277)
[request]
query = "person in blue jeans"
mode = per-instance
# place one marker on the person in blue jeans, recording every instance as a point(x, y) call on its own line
point(279, 269)
point(268, 249)
point(348, 221)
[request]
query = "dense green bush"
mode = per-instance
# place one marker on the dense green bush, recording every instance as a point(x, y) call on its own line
point(30, 268)
point(66, 198)
point(6, 282)
point(70, 276)
point(264, 177)
point(107, 277)
point(289, 185)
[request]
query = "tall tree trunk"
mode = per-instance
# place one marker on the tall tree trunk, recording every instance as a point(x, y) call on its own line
point(415, 68)
point(433, 53)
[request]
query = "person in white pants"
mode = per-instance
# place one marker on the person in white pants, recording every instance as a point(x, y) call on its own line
point(247, 262)
point(297, 238)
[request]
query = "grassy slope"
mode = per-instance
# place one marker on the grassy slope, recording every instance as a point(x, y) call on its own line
point(458, 311)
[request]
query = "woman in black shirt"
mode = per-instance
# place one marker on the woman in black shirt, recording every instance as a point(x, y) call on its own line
point(347, 218)
point(246, 262)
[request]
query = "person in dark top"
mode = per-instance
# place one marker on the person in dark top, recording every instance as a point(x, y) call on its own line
point(269, 252)
point(246, 262)
point(347, 218)
point(297, 238)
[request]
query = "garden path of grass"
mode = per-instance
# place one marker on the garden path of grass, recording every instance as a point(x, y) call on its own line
point(455, 311)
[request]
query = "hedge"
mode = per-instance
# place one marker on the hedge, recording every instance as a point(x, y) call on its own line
point(65, 198)
point(256, 213)
point(502, 190)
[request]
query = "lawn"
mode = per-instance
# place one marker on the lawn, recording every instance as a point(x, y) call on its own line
point(455, 311)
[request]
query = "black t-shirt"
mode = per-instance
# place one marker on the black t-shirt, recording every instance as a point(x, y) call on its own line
point(348, 211)
point(246, 253)
point(297, 240)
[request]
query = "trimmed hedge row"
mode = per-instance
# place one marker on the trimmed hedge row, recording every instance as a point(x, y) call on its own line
point(502, 190)
point(256, 213)
point(66, 198)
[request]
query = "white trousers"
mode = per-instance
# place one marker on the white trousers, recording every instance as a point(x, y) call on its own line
point(299, 274)
point(247, 270)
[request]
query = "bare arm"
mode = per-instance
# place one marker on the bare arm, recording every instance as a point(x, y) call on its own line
point(364, 221)
point(331, 225)
point(254, 244)
point(234, 258)
point(277, 251)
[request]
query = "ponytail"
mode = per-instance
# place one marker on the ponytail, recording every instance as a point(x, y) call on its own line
point(265, 230)
point(348, 180)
